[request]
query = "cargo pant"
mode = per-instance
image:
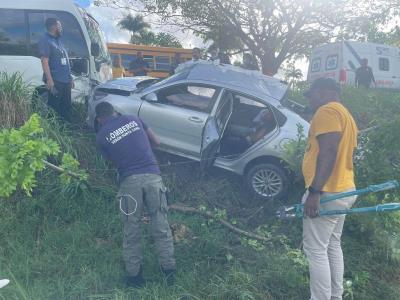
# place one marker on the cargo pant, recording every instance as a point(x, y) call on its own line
point(322, 246)
point(134, 193)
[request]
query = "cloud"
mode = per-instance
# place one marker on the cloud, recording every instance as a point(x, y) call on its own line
point(108, 19)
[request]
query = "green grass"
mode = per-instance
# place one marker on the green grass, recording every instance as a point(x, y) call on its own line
point(65, 242)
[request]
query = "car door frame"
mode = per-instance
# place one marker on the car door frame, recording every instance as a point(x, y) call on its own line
point(211, 137)
point(219, 90)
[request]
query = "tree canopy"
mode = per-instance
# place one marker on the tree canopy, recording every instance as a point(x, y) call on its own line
point(142, 35)
point(272, 30)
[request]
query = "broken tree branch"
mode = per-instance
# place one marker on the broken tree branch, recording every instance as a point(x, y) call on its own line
point(61, 170)
point(209, 215)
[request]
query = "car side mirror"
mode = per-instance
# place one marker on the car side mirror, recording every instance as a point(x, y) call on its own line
point(152, 97)
point(95, 49)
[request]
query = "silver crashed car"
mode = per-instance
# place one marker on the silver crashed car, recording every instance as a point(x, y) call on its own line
point(219, 115)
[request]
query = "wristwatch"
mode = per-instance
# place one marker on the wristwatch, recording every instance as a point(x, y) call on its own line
point(313, 191)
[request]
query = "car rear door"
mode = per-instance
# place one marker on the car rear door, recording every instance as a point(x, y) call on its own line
point(214, 129)
point(178, 114)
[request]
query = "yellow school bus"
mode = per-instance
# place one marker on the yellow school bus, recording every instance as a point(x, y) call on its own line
point(158, 58)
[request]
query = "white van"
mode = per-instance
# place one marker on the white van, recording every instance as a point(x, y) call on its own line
point(340, 61)
point(22, 26)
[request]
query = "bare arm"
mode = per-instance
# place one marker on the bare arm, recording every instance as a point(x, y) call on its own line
point(154, 139)
point(328, 148)
point(46, 70)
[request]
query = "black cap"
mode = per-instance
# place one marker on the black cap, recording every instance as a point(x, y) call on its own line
point(323, 84)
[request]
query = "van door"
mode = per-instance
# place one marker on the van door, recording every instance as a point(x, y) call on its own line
point(385, 67)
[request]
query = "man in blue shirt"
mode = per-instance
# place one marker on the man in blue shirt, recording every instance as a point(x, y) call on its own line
point(56, 69)
point(139, 67)
point(126, 141)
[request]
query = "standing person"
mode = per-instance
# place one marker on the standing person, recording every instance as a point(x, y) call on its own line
point(196, 58)
point(364, 75)
point(250, 62)
point(214, 56)
point(327, 169)
point(126, 141)
point(118, 70)
point(56, 69)
point(139, 67)
point(196, 54)
point(175, 63)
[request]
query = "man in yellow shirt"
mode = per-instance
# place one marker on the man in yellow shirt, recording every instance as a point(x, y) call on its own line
point(327, 169)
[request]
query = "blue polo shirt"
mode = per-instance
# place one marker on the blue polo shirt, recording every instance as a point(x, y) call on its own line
point(124, 141)
point(52, 48)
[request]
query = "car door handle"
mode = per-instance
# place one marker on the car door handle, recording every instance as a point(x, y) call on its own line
point(196, 119)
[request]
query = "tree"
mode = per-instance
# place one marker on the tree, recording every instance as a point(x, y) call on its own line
point(140, 33)
point(136, 25)
point(273, 30)
point(292, 73)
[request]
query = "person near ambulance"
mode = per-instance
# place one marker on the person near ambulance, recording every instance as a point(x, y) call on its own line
point(327, 170)
point(364, 75)
point(126, 141)
point(56, 69)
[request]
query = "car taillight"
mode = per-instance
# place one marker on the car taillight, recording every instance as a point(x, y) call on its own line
point(98, 95)
point(342, 76)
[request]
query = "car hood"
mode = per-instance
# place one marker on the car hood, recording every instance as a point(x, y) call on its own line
point(125, 84)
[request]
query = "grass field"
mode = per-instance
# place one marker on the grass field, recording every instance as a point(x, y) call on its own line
point(65, 241)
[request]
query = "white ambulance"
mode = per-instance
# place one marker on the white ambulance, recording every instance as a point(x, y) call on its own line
point(22, 26)
point(340, 61)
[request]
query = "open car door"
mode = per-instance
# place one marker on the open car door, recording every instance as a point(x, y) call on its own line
point(214, 129)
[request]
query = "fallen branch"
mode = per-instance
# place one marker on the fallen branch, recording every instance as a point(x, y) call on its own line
point(61, 170)
point(209, 215)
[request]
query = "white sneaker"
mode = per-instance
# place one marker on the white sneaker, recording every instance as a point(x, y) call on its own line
point(4, 282)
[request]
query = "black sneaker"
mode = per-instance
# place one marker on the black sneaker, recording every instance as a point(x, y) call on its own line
point(169, 276)
point(137, 281)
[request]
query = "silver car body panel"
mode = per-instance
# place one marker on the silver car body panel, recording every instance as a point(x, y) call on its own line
point(183, 137)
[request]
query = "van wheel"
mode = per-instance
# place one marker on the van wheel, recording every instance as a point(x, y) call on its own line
point(267, 181)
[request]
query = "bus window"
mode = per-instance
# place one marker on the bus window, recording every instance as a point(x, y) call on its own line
point(150, 60)
point(12, 32)
point(127, 59)
point(72, 37)
point(162, 63)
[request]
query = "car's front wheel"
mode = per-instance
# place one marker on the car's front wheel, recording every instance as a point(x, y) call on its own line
point(267, 181)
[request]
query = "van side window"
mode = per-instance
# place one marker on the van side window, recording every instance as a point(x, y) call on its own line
point(384, 64)
point(72, 36)
point(12, 32)
point(316, 65)
point(331, 62)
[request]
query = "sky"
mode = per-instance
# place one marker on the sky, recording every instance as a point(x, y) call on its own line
point(108, 19)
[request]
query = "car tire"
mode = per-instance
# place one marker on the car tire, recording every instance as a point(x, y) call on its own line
point(267, 181)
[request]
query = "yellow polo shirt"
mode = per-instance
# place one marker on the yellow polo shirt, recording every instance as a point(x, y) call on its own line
point(332, 117)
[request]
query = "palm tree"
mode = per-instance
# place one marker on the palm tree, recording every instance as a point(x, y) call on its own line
point(136, 25)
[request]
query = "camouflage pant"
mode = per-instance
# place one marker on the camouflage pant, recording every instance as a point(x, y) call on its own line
point(134, 192)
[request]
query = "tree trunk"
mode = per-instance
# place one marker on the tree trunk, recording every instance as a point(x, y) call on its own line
point(268, 65)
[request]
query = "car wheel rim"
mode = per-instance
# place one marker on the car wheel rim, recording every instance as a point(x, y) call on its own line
point(267, 183)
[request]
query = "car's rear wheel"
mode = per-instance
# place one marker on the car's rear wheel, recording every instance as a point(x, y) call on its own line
point(267, 181)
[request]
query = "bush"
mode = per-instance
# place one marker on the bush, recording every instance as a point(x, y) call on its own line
point(15, 98)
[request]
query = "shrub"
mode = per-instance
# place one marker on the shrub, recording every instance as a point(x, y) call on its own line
point(15, 98)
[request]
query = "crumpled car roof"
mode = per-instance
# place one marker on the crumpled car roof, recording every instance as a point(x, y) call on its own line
point(238, 77)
